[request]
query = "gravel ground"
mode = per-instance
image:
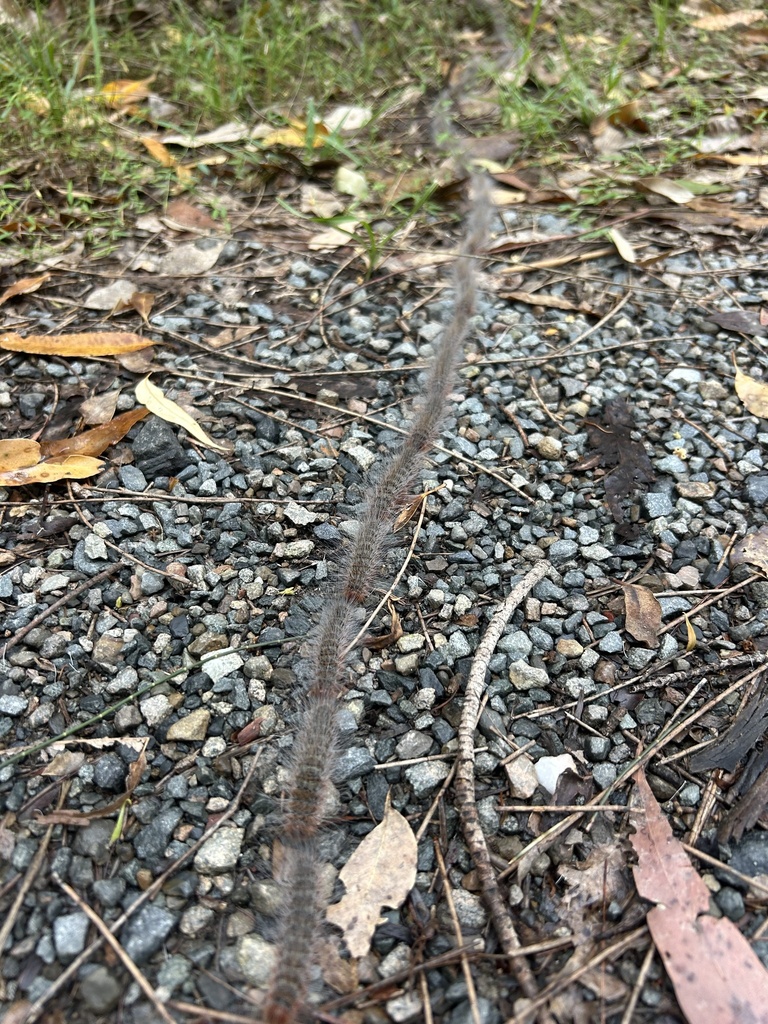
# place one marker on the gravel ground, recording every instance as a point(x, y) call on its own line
point(222, 565)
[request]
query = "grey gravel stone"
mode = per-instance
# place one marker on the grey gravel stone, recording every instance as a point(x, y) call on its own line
point(597, 748)
point(151, 841)
point(69, 934)
point(562, 551)
point(731, 902)
point(220, 853)
point(352, 763)
point(145, 933)
point(658, 503)
point(100, 990)
point(13, 706)
point(109, 772)
point(424, 777)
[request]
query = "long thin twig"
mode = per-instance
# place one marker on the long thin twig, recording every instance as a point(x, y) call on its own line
point(465, 778)
point(92, 581)
point(112, 942)
point(29, 877)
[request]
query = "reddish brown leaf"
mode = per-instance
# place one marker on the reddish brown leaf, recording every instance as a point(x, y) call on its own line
point(94, 442)
point(181, 214)
point(715, 973)
point(98, 343)
point(378, 643)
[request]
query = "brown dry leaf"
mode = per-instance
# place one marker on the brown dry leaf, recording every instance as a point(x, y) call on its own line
point(753, 394)
point(629, 116)
point(733, 19)
point(71, 467)
point(741, 321)
point(142, 302)
point(666, 187)
point(180, 214)
point(124, 91)
point(752, 549)
point(18, 453)
point(100, 408)
point(98, 343)
point(380, 873)
point(137, 362)
point(624, 247)
point(152, 397)
point(25, 286)
point(642, 614)
point(96, 441)
point(319, 202)
point(378, 643)
point(716, 975)
point(542, 299)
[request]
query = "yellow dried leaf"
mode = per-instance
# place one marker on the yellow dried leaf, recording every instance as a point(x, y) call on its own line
point(721, 22)
point(124, 91)
point(18, 453)
point(153, 398)
point(71, 467)
point(25, 286)
point(295, 135)
point(380, 873)
point(158, 151)
point(98, 343)
point(738, 159)
point(753, 393)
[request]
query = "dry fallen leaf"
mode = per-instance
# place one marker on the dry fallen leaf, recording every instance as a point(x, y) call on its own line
point(152, 397)
point(319, 202)
point(191, 259)
point(18, 453)
point(624, 247)
point(96, 441)
point(739, 159)
point(753, 393)
point(25, 286)
point(350, 182)
point(100, 408)
point(378, 643)
point(716, 975)
point(123, 92)
point(752, 549)
point(70, 467)
point(98, 343)
point(721, 22)
point(158, 151)
point(671, 190)
point(180, 214)
point(642, 614)
point(110, 295)
point(297, 136)
point(380, 873)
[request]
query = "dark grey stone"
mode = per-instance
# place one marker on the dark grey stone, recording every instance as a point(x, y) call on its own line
point(109, 772)
point(151, 841)
point(146, 932)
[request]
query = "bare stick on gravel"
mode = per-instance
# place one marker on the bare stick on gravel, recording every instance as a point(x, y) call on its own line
point(120, 953)
point(34, 1011)
point(465, 779)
